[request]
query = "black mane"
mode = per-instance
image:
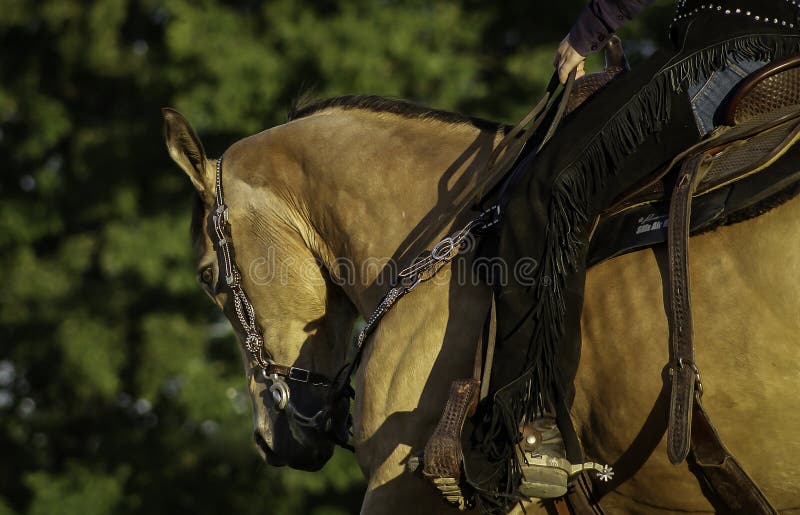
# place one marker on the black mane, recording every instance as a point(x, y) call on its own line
point(372, 103)
point(399, 107)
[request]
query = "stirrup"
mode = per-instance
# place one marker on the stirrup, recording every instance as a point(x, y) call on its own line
point(545, 469)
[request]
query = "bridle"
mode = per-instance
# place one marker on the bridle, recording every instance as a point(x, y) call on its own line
point(280, 376)
point(422, 269)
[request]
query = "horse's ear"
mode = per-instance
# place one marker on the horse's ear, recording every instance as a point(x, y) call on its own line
point(185, 148)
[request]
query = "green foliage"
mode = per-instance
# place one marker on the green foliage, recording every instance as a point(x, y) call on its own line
point(96, 372)
point(76, 491)
point(121, 387)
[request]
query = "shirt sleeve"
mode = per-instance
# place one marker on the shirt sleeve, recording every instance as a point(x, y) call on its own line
point(599, 20)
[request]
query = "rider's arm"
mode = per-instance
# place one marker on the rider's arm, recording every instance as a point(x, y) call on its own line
point(599, 20)
point(591, 31)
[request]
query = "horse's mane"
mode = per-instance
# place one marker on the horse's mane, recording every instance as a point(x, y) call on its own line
point(404, 108)
point(305, 107)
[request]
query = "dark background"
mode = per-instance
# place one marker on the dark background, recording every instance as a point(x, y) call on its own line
point(121, 387)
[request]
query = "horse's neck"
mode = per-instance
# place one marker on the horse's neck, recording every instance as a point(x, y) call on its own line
point(383, 187)
point(386, 188)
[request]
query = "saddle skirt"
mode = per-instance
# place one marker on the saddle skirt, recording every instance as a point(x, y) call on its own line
point(751, 176)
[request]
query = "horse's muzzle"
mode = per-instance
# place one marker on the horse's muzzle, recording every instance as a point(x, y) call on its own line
point(269, 456)
point(284, 450)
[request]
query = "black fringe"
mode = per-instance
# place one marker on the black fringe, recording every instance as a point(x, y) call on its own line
point(759, 47)
point(575, 187)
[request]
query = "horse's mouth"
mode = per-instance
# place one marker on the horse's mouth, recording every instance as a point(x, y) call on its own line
point(307, 459)
point(266, 452)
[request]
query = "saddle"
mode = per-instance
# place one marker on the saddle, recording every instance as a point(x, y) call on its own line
point(745, 167)
point(731, 192)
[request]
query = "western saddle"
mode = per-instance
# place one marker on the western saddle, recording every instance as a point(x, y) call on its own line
point(750, 162)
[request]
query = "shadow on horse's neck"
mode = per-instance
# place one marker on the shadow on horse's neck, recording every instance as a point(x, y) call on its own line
point(427, 179)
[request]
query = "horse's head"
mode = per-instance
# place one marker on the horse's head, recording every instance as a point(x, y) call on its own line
point(302, 317)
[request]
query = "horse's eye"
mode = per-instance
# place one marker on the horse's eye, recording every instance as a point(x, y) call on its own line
point(207, 276)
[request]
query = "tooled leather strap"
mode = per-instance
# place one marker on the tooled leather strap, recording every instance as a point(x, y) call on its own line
point(721, 471)
point(683, 369)
point(717, 466)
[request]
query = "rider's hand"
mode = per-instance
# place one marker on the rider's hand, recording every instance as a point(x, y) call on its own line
point(568, 59)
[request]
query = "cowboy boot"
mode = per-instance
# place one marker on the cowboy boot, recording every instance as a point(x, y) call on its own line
point(542, 458)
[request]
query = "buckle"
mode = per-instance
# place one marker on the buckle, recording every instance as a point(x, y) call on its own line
point(680, 364)
point(301, 375)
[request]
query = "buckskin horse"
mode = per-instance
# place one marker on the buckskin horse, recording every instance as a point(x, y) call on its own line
point(321, 207)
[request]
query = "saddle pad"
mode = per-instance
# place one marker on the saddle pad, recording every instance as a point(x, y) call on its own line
point(728, 195)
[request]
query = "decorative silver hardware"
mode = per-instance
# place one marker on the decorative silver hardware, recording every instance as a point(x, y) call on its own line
point(443, 249)
point(427, 265)
point(606, 474)
point(604, 471)
point(253, 340)
point(280, 393)
point(728, 12)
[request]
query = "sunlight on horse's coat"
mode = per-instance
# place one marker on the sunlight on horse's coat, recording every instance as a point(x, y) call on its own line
point(356, 184)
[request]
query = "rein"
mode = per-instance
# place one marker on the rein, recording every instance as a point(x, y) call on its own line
point(422, 269)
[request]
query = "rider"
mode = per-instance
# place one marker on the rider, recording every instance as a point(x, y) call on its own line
point(638, 123)
point(601, 18)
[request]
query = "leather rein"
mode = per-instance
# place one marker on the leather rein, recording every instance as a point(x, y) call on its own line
point(422, 269)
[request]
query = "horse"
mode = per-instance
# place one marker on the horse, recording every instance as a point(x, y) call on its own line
point(323, 206)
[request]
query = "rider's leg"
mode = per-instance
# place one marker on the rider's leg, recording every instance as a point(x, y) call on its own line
point(708, 93)
point(522, 312)
point(517, 303)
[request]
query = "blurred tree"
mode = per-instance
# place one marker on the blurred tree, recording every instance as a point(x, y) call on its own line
point(121, 388)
